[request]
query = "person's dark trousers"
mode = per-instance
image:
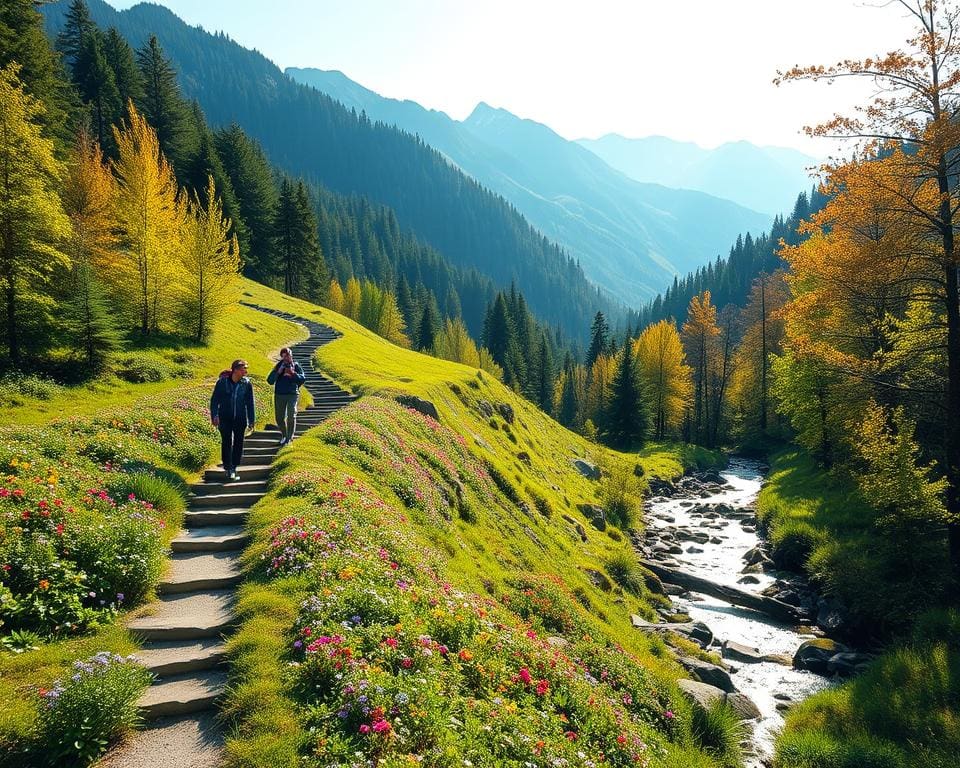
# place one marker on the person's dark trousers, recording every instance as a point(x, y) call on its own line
point(231, 444)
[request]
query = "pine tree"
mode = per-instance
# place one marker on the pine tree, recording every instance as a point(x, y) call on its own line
point(297, 248)
point(251, 177)
point(40, 73)
point(429, 325)
point(32, 221)
point(77, 28)
point(545, 374)
point(163, 106)
point(90, 319)
point(126, 76)
point(627, 415)
point(98, 88)
point(206, 163)
point(599, 339)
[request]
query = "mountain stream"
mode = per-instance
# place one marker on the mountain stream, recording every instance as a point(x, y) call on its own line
point(720, 559)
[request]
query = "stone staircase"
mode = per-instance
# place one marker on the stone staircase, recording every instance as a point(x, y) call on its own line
point(183, 629)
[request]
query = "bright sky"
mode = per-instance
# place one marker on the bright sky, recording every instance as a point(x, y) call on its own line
point(693, 70)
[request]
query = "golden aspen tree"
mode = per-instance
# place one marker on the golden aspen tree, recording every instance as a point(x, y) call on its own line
point(665, 376)
point(335, 297)
point(488, 364)
point(700, 333)
point(211, 263)
point(351, 299)
point(914, 104)
point(88, 199)
point(32, 222)
point(599, 389)
point(149, 212)
point(453, 342)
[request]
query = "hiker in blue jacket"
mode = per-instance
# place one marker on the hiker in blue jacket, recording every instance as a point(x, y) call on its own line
point(286, 376)
point(231, 411)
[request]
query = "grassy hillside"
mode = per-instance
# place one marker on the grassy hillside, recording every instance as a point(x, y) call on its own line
point(66, 551)
point(433, 591)
point(458, 552)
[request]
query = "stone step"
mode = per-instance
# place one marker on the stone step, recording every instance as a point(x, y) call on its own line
point(248, 472)
point(220, 538)
point(180, 658)
point(182, 695)
point(200, 518)
point(260, 442)
point(226, 500)
point(258, 457)
point(229, 486)
point(186, 617)
point(193, 572)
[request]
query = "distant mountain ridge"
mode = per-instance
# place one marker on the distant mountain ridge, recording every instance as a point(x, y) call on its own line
point(762, 178)
point(631, 238)
point(309, 135)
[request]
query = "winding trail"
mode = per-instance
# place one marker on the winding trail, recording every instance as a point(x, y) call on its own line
point(184, 629)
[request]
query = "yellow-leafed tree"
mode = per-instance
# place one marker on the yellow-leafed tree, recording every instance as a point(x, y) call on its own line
point(700, 332)
point(32, 222)
point(88, 199)
point(211, 262)
point(351, 299)
point(453, 342)
point(149, 213)
point(600, 390)
point(335, 296)
point(665, 376)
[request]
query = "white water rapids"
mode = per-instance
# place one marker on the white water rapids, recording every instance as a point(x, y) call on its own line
point(721, 561)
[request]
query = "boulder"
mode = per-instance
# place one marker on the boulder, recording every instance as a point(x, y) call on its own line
point(506, 410)
point(595, 515)
point(708, 673)
point(748, 579)
point(713, 478)
point(754, 556)
point(485, 408)
point(524, 457)
point(659, 487)
point(700, 633)
point(847, 663)
point(741, 652)
point(588, 470)
point(700, 694)
point(743, 706)
point(814, 655)
point(419, 404)
point(598, 579)
point(830, 615)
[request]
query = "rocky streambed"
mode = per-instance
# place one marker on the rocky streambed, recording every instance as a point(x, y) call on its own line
point(702, 541)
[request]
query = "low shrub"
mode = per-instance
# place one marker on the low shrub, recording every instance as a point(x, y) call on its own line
point(719, 731)
point(123, 553)
point(14, 386)
point(626, 571)
point(162, 494)
point(80, 716)
point(793, 543)
point(143, 367)
point(621, 494)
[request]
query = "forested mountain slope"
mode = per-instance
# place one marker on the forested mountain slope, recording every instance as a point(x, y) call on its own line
point(631, 238)
point(310, 135)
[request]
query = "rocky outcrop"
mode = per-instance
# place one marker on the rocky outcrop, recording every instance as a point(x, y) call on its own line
point(587, 469)
point(705, 696)
point(419, 404)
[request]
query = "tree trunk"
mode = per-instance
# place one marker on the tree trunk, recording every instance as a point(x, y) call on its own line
point(952, 447)
point(13, 342)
